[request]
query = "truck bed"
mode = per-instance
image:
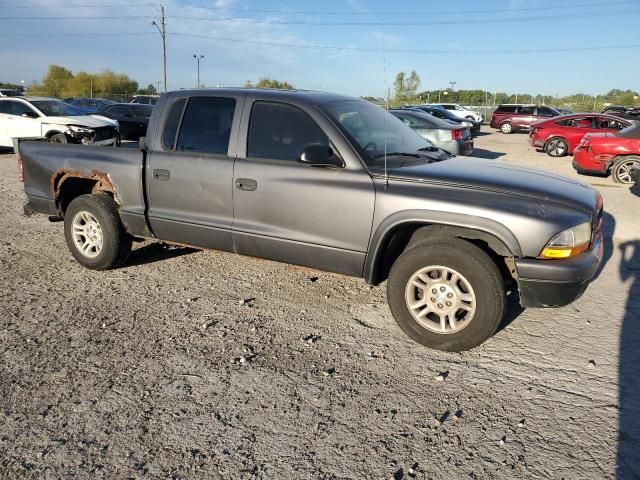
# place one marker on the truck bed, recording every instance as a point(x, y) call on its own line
point(118, 169)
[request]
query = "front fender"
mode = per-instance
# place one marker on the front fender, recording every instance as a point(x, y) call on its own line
point(432, 217)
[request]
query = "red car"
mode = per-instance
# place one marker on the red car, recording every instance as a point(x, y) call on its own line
point(560, 136)
point(609, 153)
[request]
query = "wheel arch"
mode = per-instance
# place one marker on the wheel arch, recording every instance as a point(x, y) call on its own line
point(404, 230)
point(69, 184)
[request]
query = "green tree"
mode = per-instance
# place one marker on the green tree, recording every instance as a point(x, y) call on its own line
point(271, 83)
point(54, 82)
point(405, 87)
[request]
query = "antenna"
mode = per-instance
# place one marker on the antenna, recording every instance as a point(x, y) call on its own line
point(386, 112)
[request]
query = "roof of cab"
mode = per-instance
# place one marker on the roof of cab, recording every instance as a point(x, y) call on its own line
point(308, 96)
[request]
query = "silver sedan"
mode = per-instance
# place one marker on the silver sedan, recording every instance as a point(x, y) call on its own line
point(447, 136)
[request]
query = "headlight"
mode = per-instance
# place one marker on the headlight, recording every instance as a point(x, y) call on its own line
point(568, 243)
point(73, 129)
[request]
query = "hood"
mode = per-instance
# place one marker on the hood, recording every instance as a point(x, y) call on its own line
point(500, 177)
point(83, 121)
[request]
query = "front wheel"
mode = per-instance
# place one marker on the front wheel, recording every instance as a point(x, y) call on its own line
point(58, 138)
point(621, 168)
point(94, 233)
point(506, 127)
point(447, 295)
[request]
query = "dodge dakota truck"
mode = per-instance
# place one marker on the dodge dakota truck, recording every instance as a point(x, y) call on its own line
point(332, 183)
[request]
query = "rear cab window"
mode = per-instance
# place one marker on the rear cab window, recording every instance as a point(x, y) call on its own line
point(206, 125)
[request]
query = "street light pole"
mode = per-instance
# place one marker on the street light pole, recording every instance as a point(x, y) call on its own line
point(163, 33)
point(198, 57)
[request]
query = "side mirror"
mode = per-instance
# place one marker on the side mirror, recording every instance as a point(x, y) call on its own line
point(319, 155)
point(29, 115)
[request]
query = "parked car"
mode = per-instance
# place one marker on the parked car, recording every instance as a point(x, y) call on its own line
point(609, 153)
point(619, 109)
point(145, 99)
point(58, 122)
point(559, 136)
point(447, 115)
point(133, 118)
point(452, 138)
point(10, 92)
point(460, 111)
point(510, 118)
point(332, 183)
point(90, 105)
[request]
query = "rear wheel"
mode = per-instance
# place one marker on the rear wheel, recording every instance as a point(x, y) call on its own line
point(94, 233)
point(506, 127)
point(448, 295)
point(556, 147)
point(621, 168)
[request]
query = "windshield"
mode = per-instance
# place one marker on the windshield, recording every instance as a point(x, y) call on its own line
point(365, 124)
point(56, 108)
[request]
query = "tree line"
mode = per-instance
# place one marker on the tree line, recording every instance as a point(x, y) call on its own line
point(61, 82)
point(406, 91)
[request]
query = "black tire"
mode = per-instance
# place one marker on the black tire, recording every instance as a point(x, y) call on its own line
point(506, 128)
point(58, 138)
point(556, 147)
point(116, 242)
point(468, 261)
point(621, 167)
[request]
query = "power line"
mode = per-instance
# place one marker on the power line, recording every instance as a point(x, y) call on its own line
point(396, 12)
point(92, 5)
point(119, 17)
point(406, 50)
point(333, 47)
point(66, 34)
point(347, 23)
point(409, 23)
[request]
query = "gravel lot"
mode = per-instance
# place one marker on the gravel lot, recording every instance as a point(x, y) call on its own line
point(189, 364)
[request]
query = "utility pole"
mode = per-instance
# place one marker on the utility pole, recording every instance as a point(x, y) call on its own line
point(198, 58)
point(163, 33)
point(158, 86)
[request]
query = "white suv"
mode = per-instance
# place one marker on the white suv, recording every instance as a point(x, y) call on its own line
point(58, 122)
point(460, 111)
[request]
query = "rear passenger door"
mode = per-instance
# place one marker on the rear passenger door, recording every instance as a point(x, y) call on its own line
point(525, 118)
point(284, 210)
point(189, 172)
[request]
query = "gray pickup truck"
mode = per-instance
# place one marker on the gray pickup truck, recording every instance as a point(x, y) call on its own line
point(332, 183)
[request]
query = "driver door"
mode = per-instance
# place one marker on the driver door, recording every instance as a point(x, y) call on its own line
point(283, 210)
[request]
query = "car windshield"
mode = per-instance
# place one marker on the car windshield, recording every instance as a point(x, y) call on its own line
point(56, 108)
point(366, 124)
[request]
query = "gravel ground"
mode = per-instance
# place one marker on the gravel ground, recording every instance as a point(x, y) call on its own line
point(189, 364)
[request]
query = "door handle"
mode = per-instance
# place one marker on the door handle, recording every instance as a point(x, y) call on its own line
point(247, 184)
point(161, 174)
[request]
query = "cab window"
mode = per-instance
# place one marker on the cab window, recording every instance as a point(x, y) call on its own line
point(206, 125)
point(281, 132)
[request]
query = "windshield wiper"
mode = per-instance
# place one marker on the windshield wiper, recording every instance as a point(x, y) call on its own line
point(429, 149)
point(398, 154)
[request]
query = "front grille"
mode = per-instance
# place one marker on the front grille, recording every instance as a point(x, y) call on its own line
point(104, 133)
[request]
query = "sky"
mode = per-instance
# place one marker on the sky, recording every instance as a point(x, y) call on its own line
point(551, 47)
